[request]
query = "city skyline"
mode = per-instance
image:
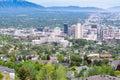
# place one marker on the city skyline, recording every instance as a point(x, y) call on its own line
point(82, 3)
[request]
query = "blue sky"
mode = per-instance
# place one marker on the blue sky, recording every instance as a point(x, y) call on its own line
point(82, 3)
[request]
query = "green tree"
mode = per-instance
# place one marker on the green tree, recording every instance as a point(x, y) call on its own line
point(24, 58)
point(46, 73)
point(101, 70)
point(24, 74)
point(43, 57)
point(75, 60)
point(12, 58)
point(1, 76)
point(38, 66)
point(31, 68)
point(41, 75)
point(61, 73)
point(117, 73)
point(60, 57)
point(105, 61)
point(15, 52)
point(77, 43)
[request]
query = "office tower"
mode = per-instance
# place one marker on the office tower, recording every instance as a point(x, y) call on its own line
point(66, 28)
point(40, 29)
point(94, 26)
point(100, 32)
point(72, 31)
point(46, 29)
point(78, 31)
point(57, 31)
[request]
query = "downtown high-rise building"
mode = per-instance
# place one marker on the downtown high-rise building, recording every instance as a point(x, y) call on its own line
point(72, 31)
point(66, 28)
point(78, 31)
point(57, 31)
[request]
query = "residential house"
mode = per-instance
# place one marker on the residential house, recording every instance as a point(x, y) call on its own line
point(105, 55)
point(115, 64)
point(5, 70)
point(98, 77)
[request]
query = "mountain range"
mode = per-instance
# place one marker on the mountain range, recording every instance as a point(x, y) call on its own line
point(18, 4)
point(15, 4)
point(76, 8)
point(116, 8)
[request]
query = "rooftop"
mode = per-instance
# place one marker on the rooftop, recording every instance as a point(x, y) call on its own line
point(3, 69)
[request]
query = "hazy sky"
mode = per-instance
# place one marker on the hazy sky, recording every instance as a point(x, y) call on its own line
point(93, 3)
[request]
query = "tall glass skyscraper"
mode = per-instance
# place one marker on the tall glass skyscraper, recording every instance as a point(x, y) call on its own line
point(66, 28)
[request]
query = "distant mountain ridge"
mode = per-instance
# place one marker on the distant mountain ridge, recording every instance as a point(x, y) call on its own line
point(76, 8)
point(18, 4)
point(116, 8)
point(24, 5)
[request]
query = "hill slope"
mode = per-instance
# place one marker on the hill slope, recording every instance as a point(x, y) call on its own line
point(8, 6)
point(18, 4)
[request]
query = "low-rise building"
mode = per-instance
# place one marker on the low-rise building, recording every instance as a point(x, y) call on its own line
point(105, 55)
point(98, 77)
point(115, 64)
point(5, 70)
